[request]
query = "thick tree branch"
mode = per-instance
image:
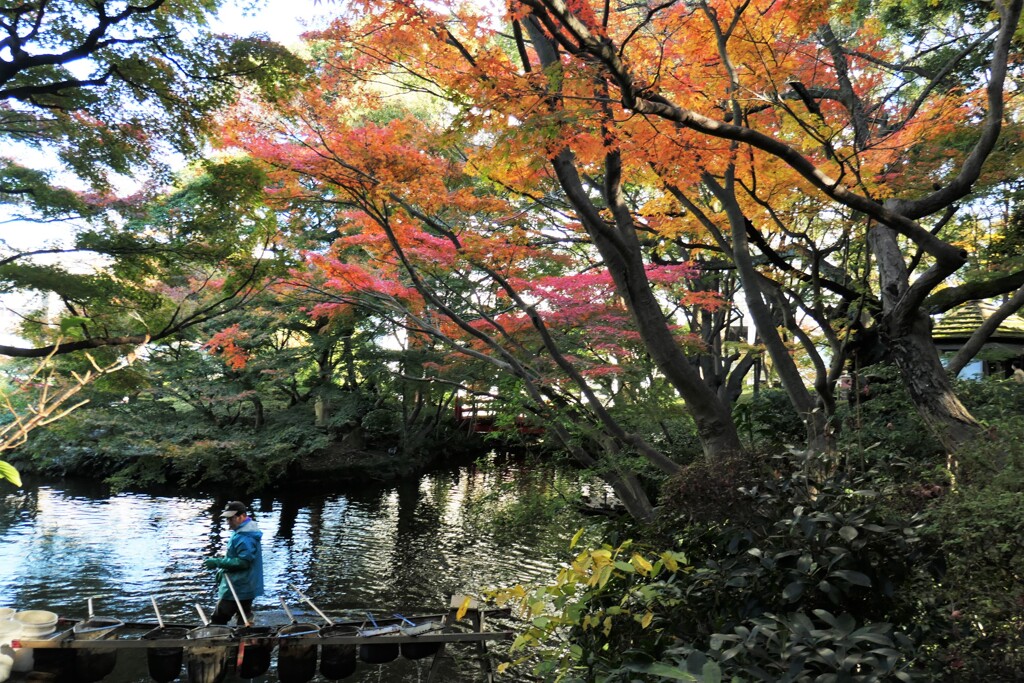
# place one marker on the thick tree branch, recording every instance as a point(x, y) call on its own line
point(981, 335)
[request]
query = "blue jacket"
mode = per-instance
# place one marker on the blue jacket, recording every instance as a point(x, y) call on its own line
point(244, 544)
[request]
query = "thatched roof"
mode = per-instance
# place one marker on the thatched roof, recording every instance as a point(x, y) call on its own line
point(960, 323)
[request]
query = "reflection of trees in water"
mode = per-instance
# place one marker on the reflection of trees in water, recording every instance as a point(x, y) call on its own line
point(417, 560)
point(16, 505)
point(401, 548)
point(287, 518)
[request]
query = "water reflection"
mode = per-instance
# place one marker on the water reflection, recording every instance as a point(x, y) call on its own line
point(401, 548)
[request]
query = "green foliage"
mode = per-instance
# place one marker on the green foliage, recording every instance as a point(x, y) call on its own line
point(603, 591)
point(981, 536)
point(992, 399)
point(151, 444)
point(806, 587)
point(156, 73)
point(979, 530)
point(381, 423)
point(880, 418)
point(813, 648)
point(9, 473)
point(873, 565)
point(664, 424)
point(767, 421)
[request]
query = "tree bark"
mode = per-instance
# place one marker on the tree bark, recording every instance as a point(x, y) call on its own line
point(906, 330)
point(814, 418)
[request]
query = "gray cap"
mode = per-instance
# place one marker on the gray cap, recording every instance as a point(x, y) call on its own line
point(235, 507)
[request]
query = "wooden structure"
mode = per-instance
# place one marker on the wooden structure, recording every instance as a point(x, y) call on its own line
point(452, 631)
point(1004, 347)
point(479, 418)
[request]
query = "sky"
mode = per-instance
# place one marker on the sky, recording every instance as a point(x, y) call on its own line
point(282, 20)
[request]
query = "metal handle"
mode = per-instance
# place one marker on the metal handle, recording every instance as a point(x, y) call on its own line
point(287, 611)
point(310, 603)
point(238, 603)
point(159, 619)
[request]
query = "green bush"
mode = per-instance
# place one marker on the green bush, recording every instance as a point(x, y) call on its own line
point(980, 532)
point(811, 585)
point(149, 444)
point(768, 421)
point(881, 419)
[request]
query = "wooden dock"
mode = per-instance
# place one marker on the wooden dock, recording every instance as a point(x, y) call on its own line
point(471, 630)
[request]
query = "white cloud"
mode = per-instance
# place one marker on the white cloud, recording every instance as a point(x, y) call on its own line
point(282, 20)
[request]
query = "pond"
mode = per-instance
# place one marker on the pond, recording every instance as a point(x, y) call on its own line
point(398, 548)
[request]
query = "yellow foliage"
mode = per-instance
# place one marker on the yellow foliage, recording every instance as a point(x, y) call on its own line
point(463, 608)
point(641, 564)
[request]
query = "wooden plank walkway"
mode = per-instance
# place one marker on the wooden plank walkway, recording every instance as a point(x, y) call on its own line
point(450, 632)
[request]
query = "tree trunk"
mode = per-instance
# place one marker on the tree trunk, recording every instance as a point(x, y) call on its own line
point(906, 330)
point(623, 257)
point(626, 485)
point(622, 254)
point(813, 416)
point(258, 414)
point(929, 385)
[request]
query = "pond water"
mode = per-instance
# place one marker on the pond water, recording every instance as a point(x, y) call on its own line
point(400, 548)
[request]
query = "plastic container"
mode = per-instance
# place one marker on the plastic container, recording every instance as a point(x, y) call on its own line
point(33, 624)
point(9, 630)
point(36, 622)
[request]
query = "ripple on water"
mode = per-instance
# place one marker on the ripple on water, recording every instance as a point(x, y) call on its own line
point(400, 548)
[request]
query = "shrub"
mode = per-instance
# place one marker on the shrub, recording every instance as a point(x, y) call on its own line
point(884, 420)
point(808, 588)
point(768, 421)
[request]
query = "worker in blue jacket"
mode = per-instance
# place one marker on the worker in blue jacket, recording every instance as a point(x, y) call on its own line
point(242, 564)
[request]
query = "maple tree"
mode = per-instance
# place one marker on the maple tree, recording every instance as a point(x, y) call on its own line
point(390, 191)
point(866, 113)
point(486, 273)
point(870, 129)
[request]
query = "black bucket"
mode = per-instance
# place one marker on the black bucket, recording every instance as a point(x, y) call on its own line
point(164, 663)
point(296, 654)
point(337, 661)
point(92, 665)
point(255, 649)
point(57, 662)
point(419, 650)
point(381, 652)
point(208, 663)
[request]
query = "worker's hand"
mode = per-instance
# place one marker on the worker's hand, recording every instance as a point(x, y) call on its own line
point(213, 563)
